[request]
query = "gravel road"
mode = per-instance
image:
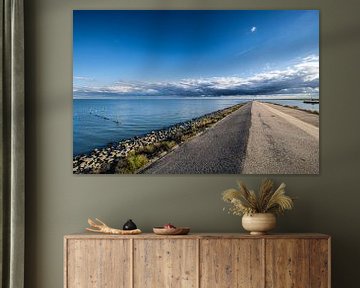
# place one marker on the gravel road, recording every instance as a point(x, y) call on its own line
point(220, 149)
point(259, 138)
point(280, 143)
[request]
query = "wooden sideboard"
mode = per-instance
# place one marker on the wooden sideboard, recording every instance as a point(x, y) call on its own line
point(197, 260)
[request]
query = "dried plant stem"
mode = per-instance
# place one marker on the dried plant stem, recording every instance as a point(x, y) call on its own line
point(268, 200)
point(101, 227)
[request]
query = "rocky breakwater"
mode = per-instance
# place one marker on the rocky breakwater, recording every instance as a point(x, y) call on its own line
point(128, 156)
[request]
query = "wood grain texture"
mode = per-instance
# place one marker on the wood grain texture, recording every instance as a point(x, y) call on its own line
point(287, 263)
point(319, 263)
point(88, 235)
point(166, 263)
point(231, 263)
point(98, 264)
point(66, 262)
point(197, 260)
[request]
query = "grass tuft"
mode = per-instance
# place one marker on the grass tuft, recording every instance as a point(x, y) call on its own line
point(131, 163)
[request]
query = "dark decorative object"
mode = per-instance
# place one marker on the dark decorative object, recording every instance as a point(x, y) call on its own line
point(100, 227)
point(129, 225)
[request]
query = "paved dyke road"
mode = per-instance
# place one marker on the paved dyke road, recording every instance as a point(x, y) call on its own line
point(280, 143)
point(220, 149)
point(259, 138)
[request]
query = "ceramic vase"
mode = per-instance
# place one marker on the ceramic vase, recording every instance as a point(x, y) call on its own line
point(259, 223)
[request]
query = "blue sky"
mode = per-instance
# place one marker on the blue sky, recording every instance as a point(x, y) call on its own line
point(196, 52)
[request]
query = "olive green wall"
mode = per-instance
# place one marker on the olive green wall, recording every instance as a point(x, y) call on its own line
point(59, 203)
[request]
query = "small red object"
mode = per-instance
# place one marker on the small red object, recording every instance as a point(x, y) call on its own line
point(169, 226)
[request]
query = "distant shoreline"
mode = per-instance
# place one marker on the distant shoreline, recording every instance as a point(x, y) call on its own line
point(195, 97)
point(132, 155)
point(259, 138)
point(296, 107)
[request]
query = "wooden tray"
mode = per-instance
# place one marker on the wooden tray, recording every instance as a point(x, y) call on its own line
point(171, 231)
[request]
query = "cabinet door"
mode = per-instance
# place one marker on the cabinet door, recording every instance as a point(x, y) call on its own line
point(287, 263)
point(231, 263)
point(320, 263)
point(165, 263)
point(98, 263)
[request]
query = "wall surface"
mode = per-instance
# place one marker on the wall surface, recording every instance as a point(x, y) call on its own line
point(59, 203)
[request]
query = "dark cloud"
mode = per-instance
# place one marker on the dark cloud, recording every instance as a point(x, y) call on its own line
point(302, 77)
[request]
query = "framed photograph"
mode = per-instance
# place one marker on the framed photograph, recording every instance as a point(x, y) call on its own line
point(196, 92)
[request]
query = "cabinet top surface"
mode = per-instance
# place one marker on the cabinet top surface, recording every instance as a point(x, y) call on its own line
point(87, 235)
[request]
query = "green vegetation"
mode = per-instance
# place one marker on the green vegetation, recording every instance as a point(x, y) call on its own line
point(202, 124)
point(141, 156)
point(168, 145)
point(111, 161)
point(136, 161)
point(131, 163)
point(152, 149)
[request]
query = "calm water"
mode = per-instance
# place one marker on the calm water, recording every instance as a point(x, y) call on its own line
point(299, 103)
point(98, 122)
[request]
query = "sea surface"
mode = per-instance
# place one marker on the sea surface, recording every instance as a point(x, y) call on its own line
point(98, 122)
point(298, 103)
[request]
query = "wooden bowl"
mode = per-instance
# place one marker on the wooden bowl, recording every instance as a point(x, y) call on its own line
point(171, 231)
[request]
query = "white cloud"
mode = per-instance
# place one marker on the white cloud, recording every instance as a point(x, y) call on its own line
point(253, 29)
point(301, 77)
point(83, 78)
